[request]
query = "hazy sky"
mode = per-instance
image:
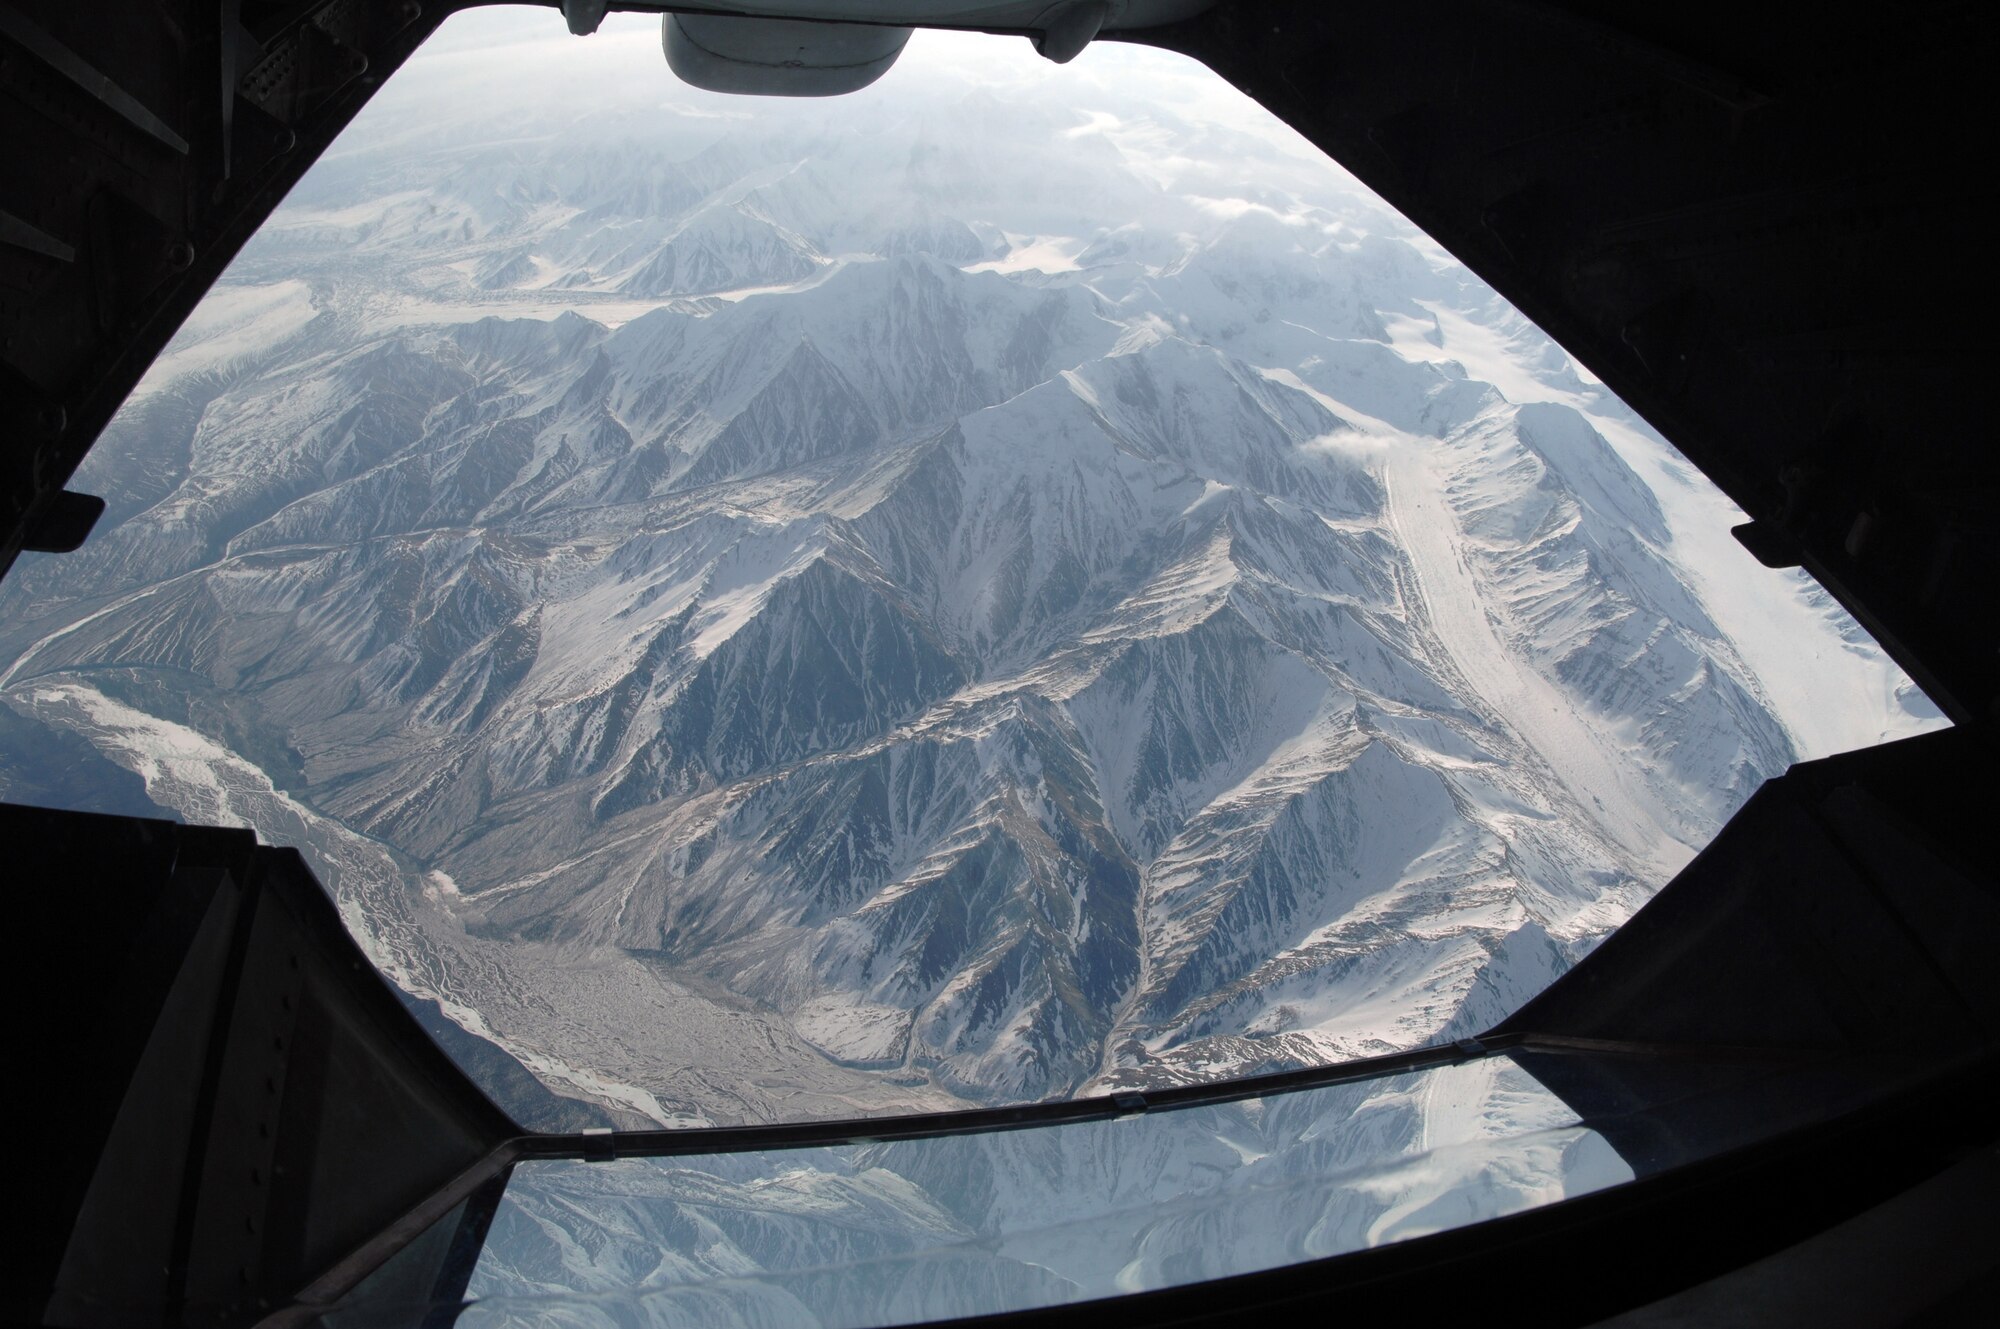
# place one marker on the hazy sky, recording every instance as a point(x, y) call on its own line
point(501, 62)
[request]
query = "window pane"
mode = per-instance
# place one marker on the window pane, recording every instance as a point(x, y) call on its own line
point(920, 1230)
point(1017, 583)
point(933, 1229)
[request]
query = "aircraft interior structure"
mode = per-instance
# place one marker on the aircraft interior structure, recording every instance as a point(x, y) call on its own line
point(1763, 227)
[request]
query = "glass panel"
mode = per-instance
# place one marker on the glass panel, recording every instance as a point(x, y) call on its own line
point(908, 1231)
point(1020, 583)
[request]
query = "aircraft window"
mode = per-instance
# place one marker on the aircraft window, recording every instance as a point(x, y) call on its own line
point(1020, 582)
point(919, 1230)
point(928, 1229)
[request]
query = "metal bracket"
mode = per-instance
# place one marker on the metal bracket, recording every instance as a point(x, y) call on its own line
point(583, 16)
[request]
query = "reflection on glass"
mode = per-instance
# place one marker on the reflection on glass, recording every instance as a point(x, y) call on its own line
point(910, 1231)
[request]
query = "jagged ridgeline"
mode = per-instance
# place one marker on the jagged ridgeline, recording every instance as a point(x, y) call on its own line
point(767, 612)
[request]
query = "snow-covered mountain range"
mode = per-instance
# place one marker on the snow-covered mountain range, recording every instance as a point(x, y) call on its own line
point(995, 589)
point(929, 1230)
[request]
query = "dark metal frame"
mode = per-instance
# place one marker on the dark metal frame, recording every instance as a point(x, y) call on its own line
point(1668, 191)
